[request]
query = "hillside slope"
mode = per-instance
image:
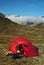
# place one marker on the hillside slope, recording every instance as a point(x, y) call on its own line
point(7, 26)
point(2, 15)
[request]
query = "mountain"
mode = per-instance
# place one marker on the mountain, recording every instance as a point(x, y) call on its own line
point(27, 20)
point(7, 26)
point(2, 15)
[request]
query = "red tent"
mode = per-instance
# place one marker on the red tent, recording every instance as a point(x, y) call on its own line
point(26, 45)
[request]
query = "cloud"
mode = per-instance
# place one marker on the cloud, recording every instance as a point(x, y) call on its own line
point(24, 19)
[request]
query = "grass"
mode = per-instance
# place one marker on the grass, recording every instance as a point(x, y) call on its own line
point(35, 35)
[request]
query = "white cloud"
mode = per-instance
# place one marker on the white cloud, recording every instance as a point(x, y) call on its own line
point(25, 19)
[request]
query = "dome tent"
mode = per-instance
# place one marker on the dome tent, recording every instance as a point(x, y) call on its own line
point(28, 49)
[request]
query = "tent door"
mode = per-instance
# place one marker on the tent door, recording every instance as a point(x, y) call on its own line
point(20, 49)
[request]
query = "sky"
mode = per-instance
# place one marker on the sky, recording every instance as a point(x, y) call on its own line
point(22, 7)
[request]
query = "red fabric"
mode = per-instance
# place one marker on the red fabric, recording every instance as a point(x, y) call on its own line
point(29, 51)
